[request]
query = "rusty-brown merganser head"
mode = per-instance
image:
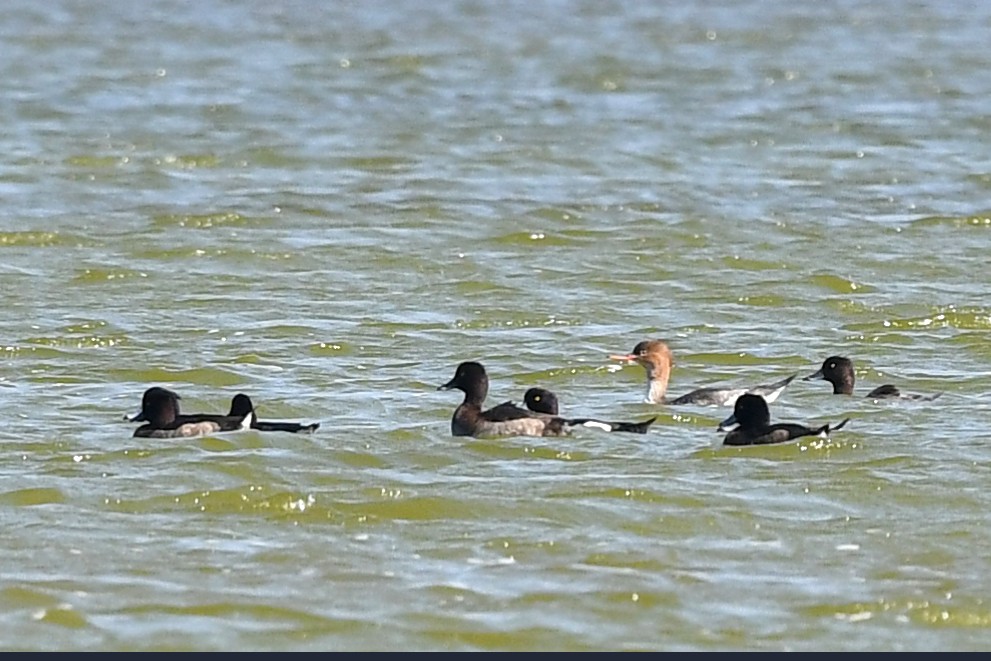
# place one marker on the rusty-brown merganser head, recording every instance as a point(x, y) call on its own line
point(656, 358)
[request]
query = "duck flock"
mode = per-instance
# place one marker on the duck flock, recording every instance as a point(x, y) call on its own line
point(750, 423)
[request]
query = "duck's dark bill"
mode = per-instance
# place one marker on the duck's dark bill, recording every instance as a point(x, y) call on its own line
point(729, 424)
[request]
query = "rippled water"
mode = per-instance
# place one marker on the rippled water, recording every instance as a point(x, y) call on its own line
point(330, 205)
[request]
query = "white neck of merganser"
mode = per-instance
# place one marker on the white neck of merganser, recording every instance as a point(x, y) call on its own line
point(657, 384)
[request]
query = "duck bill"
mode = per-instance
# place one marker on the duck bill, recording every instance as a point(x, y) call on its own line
point(729, 424)
point(814, 376)
point(136, 417)
point(447, 386)
point(629, 358)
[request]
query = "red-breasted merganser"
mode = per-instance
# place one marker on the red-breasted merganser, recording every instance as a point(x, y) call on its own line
point(656, 358)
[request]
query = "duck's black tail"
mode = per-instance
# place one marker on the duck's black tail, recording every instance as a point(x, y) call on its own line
point(826, 429)
point(293, 427)
point(630, 427)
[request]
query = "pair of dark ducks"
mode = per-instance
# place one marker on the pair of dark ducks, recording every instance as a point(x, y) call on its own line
point(749, 425)
point(160, 413)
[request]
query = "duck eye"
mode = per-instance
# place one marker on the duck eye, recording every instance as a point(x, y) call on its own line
point(832, 365)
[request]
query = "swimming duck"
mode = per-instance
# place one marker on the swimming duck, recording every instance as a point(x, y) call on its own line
point(506, 419)
point(750, 424)
point(656, 358)
point(241, 406)
point(838, 370)
point(160, 412)
point(541, 400)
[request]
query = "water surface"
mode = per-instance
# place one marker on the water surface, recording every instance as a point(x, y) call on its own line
point(330, 205)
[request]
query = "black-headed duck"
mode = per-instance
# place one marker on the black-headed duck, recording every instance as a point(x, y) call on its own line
point(838, 370)
point(160, 413)
point(241, 405)
point(541, 400)
point(750, 424)
point(506, 419)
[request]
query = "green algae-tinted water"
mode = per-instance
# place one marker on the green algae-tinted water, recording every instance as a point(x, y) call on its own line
point(329, 206)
